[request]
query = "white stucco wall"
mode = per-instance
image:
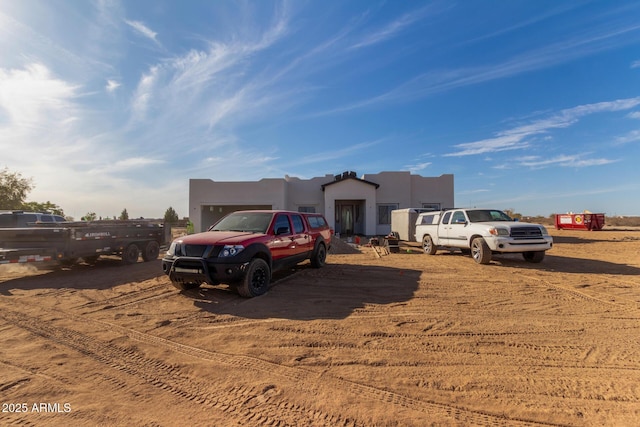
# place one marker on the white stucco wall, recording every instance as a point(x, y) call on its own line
point(306, 192)
point(291, 193)
point(426, 189)
point(206, 192)
point(351, 189)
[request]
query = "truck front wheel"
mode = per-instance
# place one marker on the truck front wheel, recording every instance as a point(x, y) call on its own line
point(480, 251)
point(427, 245)
point(256, 279)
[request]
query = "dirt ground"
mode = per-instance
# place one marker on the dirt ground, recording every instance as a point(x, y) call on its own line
point(402, 340)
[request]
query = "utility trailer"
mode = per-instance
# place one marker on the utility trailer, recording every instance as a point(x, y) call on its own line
point(403, 222)
point(65, 243)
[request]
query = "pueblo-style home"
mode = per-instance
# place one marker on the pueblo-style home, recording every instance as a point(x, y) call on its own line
point(352, 205)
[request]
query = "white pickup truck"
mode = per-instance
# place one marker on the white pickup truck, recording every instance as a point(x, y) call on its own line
point(481, 233)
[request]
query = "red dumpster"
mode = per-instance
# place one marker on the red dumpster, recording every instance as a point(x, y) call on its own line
point(580, 221)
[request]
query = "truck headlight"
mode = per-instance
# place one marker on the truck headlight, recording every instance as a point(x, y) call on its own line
point(544, 230)
point(231, 250)
point(172, 249)
point(498, 231)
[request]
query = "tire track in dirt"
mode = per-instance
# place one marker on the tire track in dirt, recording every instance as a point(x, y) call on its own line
point(306, 377)
point(170, 379)
point(125, 299)
point(606, 300)
point(508, 353)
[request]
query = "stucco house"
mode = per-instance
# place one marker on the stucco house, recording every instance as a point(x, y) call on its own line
point(351, 204)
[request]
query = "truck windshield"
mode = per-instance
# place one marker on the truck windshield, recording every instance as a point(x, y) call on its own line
point(488, 215)
point(253, 222)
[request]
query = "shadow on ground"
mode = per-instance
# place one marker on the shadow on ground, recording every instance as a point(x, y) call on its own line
point(106, 273)
point(560, 264)
point(332, 292)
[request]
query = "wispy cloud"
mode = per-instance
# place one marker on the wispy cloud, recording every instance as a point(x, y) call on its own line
point(391, 29)
point(563, 8)
point(144, 93)
point(635, 64)
point(632, 136)
point(436, 81)
point(420, 163)
point(418, 167)
point(112, 85)
point(517, 137)
point(204, 87)
point(143, 30)
point(574, 161)
point(34, 98)
point(136, 162)
point(634, 115)
point(337, 154)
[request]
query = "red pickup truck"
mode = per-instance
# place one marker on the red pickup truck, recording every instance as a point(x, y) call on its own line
point(245, 247)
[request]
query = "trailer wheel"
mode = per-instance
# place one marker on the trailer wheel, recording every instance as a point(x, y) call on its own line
point(151, 251)
point(427, 245)
point(480, 251)
point(130, 254)
point(534, 257)
point(256, 279)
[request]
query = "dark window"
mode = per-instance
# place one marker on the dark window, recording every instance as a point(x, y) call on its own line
point(316, 221)
point(307, 209)
point(458, 218)
point(6, 220)
point(445, 218)
point(427, 219)
point(256, 222)
point(298, 225)
point(487, 215)
point(282, 222)
point(27, 219)
point(384, 213)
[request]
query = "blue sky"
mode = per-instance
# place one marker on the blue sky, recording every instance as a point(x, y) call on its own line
point(532, 105)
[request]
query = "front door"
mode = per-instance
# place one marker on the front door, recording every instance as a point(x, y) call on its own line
point(346, 217)
point(283, 244)
point(301, 236)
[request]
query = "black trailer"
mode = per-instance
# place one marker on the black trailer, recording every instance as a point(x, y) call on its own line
point(66, 242)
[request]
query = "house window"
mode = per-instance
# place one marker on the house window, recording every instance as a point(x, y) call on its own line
point(431, 206)
point(307, 209)
point(384, 213)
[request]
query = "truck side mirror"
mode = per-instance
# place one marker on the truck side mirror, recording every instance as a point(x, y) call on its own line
point(282, 230)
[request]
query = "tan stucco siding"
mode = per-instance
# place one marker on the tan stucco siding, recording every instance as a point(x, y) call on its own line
point(351, 190)
point(209, 199)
